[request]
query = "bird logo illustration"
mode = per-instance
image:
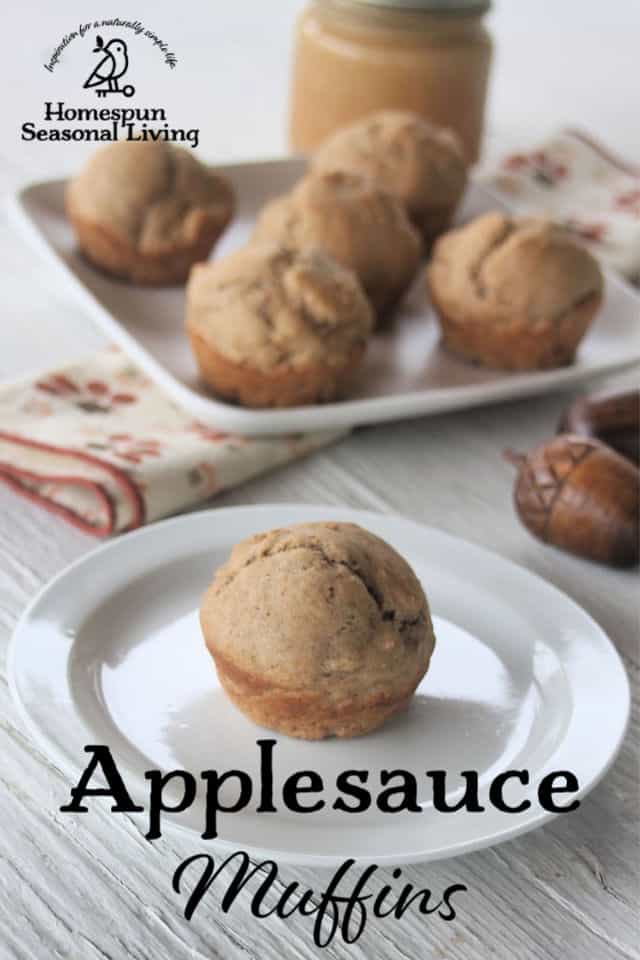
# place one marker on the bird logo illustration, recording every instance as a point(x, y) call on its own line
point(112, 66)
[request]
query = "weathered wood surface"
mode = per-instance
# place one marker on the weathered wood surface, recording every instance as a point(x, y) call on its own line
point(93, 887)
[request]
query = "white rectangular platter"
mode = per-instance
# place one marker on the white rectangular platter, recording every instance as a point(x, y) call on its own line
point(406, 373)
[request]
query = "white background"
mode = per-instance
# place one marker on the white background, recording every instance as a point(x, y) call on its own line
point(557, 62)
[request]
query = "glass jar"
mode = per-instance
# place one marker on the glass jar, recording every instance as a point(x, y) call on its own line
point(353, 57)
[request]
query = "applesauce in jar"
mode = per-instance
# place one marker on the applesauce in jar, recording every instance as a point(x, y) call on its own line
point(353, 57)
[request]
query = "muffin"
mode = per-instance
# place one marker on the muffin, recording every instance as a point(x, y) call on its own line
point(318, 630)
point(362, 226)
point(272, 327)
point(513, 294)
point(421, 164)
point(146, 211)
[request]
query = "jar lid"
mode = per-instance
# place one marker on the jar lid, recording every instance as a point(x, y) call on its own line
point(433, 6)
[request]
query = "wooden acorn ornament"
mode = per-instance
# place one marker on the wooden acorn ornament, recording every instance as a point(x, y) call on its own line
point(613, 418)
point(581, 496)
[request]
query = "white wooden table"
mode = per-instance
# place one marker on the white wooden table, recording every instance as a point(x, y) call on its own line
point(91, 887)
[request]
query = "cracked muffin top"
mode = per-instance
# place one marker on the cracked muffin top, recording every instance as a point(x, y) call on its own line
point(267, 307)
point(358, 223)
point(420, 163)
point(512, 271)
point(319, 605)
point(149, 194)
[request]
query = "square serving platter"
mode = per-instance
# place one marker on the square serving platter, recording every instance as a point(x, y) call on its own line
point(406, 372)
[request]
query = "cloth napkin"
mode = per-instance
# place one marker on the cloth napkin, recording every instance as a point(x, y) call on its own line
point(579, 183)
point(101, 446)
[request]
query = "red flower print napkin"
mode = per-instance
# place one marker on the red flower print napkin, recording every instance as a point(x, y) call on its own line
point(101, 446)
point(578, 183)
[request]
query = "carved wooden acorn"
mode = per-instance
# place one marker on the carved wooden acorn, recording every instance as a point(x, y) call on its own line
point(613, 418)
point(580, 495)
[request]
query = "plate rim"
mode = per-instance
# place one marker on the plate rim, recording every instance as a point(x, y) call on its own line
point(57, 757)
point(336, 415)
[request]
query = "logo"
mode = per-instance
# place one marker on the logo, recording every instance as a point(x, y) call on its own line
point(98, 58)
point(111, 67)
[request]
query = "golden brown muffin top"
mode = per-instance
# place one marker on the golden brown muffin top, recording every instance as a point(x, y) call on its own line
point(418, 162)
point(354, 220)
point(150, 194)
point(268, 307)
point(504, 269)
point(319, 605)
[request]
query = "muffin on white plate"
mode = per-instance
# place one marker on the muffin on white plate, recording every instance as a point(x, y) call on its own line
point(276, 327)
point(146, 211)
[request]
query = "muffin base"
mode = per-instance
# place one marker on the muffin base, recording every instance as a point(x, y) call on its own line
point(109, 253)
point(305, 714)
point(516, 345)
point(285, 387)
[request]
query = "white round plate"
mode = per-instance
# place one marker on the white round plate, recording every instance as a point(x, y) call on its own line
point(110, 652)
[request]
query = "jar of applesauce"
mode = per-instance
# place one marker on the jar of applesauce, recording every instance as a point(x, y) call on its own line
point(353, 57)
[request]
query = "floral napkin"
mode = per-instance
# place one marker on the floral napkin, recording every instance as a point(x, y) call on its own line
point(579, 183)
point(101, 446)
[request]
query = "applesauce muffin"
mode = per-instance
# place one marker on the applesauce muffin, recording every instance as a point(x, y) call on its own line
point(146, 211)
point(513, 294)
point(421, 164)
point(362, 226)
point(318, 630)
point(274, 327)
